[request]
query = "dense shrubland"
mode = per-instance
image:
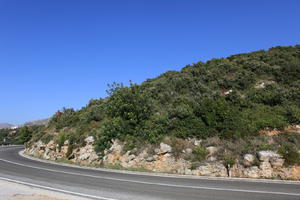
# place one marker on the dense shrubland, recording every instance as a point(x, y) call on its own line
point(229, 98)
point(19, 135)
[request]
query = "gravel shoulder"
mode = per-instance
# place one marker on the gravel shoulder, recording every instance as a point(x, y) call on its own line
point(14, 191)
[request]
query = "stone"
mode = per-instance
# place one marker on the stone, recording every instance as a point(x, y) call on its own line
point(66, 143)
point(267, 155)
point(115, 147)
point(211, 159)
point(252, 172)
point(197, 142)
point(83, 156)
point(89, 140)
point(131, 157)
point(188, 150)
point(156, 151)
point(150, 159)
point(277, 162)
point(248, 160)
point(211, 169)
point(165, 148)
point(265, 165)
point(51, 145)
point(211, 150)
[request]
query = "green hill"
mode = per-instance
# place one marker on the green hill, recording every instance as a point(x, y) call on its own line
point(229, 98)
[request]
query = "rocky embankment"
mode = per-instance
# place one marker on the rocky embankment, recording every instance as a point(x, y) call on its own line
point(266, 164)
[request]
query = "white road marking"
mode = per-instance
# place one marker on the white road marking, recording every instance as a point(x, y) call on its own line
point(55, 189)
point(159, 184)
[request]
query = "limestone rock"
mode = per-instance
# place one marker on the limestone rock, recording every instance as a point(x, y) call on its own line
point(211, 169)
point(267, 155)
point(197, 142)
point(150, 159)
point(276, 162)
point(188, 150)
point(211, 159)
point(89, 140)
point(66, 143)
point(248, 160)
point(165, 148)
point(211, 150)
point(252, 172)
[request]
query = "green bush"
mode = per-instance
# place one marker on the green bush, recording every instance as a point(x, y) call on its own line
point(290, 155)
point(61, 140)
point(228, 160)
point(199, 153)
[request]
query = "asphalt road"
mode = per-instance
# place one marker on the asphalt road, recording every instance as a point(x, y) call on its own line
point(109, 185)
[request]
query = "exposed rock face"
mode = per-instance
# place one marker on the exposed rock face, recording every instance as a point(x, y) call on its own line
point(267, 155)
point(51, 151)
point(211, 169)
point(211, 150)
point(270, 164)
point(277, 162)
point(164, 148)
point(89, 140)
point(248, 160)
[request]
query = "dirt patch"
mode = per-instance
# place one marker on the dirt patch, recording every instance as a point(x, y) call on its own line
point(291, 129)
point(297, 172)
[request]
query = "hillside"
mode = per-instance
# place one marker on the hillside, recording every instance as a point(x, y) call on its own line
point(228, 102)
point(36, 122)
point(5, 125)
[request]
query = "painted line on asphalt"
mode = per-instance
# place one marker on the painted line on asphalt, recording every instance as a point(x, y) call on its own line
point(55, 189)
point(159, 184)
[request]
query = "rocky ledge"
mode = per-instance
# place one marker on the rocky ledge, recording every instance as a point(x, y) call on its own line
point(266, 164)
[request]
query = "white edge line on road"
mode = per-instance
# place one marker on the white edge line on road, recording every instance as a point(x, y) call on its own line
point(159, 184)
point(55, 189)
point(181, 176)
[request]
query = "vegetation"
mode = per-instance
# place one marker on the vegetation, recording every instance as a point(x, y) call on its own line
point(18, 136)
point(230, 98)
point(199, 153)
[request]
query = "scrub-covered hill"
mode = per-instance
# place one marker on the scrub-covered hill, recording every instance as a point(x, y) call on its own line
point(232, 101)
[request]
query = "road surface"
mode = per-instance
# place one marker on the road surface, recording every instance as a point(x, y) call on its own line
point(111, 185)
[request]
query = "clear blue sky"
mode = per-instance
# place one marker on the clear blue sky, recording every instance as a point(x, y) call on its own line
point(60, 53)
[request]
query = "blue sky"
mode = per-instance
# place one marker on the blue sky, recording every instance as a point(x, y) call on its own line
point(62, 53)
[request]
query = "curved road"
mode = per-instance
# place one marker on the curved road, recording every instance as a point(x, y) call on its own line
point(108, 185)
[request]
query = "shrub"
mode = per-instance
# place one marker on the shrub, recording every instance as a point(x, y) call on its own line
point(265, 147)
point(290, 154)
point(178, 145)
point(199, 153)
point(61, 140)
point(229, 160)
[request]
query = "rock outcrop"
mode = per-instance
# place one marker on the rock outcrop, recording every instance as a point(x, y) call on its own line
point(266, 164)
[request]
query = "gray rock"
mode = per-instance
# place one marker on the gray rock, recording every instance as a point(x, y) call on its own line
point(276, 162)
point(267, 155)
point(164, 148)
point(248, 160)
point(211, 150)
point(66, 143)
point(188, 150)
point(211, 159)
point(265, 165)
point(252, 172)
point(89, 140)
point(150, 159)
point(131, 157)
point(197, 142)
point(83, 156)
